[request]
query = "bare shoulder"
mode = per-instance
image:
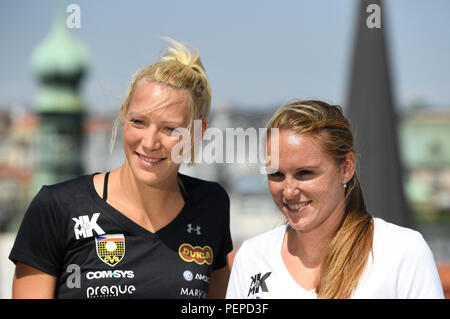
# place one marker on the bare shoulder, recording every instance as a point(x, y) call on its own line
point(98, 183)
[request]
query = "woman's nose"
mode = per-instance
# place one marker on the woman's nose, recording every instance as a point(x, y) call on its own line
point(291, 190)
point(151, 139)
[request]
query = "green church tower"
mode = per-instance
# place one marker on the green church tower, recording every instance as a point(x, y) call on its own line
point(59, 63)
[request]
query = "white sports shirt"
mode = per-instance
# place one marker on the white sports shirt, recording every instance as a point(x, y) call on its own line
point(402, 267)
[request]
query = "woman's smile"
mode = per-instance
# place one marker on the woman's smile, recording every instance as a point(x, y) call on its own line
point(149, 161)
point(297, 207)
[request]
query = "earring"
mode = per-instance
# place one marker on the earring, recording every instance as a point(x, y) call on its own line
point(345, 185)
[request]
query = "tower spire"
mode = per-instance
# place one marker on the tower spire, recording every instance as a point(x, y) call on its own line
point(59, 63)
point(373, 118)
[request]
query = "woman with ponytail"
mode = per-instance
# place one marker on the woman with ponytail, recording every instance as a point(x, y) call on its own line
point(142, 230)
point(331, 246)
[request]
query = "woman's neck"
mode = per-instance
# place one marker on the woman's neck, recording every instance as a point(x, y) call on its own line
point(139, 191)
point(153, 205)
point(311, 245)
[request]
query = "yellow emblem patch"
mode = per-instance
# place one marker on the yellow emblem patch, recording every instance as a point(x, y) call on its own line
point(110, 248)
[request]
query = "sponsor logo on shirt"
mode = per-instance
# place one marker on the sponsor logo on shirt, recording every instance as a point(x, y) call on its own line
point(195, 230)
point(84, 226)
point(110, 248)
point(189, 276)
point(193, 293)
point(197, 254)
point(258, 281)
point(101, 274)
point(110, 291)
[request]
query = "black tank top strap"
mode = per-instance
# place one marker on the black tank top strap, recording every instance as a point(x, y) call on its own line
point(181, 187)
point(105, 187)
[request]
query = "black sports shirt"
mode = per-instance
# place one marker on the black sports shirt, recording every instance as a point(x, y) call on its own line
point(95, 251)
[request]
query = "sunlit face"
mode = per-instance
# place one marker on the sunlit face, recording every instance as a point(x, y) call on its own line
point(147, 131)
point(308, 186)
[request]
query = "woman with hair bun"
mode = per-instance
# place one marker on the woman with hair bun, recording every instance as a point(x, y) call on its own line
point(142, 230)
point(330, 247)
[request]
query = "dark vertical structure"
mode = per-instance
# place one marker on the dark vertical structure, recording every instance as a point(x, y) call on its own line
point(373, 118)
point(59, 63)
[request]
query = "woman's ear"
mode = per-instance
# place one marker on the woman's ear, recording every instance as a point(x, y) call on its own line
point(348, 167)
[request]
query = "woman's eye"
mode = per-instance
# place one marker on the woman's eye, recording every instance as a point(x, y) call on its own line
point(136, 121)
point(305, 174)
point(275, 176)
point(167, 130)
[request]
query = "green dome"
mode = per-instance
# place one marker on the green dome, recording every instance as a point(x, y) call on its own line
point(59, 53)
point(60, 63)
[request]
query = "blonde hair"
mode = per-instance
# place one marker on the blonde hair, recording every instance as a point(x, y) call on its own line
point(348, 249)
point(180, 69)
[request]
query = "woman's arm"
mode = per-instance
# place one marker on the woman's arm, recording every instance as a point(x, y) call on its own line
point(30, 283)
point(219, 282)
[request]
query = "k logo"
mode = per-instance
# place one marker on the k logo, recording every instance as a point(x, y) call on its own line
point(258, 281)
point(110, 248)
point(85, 227)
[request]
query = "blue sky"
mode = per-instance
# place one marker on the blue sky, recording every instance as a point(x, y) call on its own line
point(256, 53)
